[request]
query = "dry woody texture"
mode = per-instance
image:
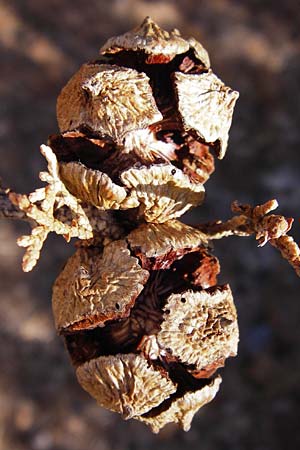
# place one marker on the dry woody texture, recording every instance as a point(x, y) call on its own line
point(138, 304)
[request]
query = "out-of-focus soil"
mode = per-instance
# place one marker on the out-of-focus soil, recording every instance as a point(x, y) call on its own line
point(254, 48)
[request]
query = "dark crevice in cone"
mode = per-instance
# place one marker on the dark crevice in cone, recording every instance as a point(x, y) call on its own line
point(96, 153)
point(82, 146)
point(160, 262)
point(180, 375)
point(201, 268)
point(129, 219)
point(190, 63)
point(139, 60)
point(119, 162)
point(189, 154)
point(197, 266)
point(185, 383)
point(207, 371)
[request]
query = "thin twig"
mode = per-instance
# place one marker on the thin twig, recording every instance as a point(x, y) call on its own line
point(10, 211)
point(266, 228)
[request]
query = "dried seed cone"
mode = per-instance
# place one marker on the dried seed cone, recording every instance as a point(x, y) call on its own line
point(143, 318)
point(146, 324)
point(140, 123)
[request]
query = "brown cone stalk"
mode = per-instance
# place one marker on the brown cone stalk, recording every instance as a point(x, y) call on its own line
point(138, 304)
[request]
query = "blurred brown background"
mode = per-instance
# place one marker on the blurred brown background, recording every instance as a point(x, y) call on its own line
point(255, 48)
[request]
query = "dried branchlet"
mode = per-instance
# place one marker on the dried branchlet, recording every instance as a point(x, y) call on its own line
point(54, 208)
point(266, 228)
point(145, 322)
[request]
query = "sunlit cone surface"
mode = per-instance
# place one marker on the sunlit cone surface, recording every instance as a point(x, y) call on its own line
point(126, 384)
point(200, 328)
point(109, 100)
point(97, 286)
point(154, 241)
point(92, 186)
point(162, 191)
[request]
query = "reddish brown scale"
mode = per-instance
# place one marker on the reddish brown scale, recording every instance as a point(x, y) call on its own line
point(157, 59)
point(209, 370)
point(191, 156)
